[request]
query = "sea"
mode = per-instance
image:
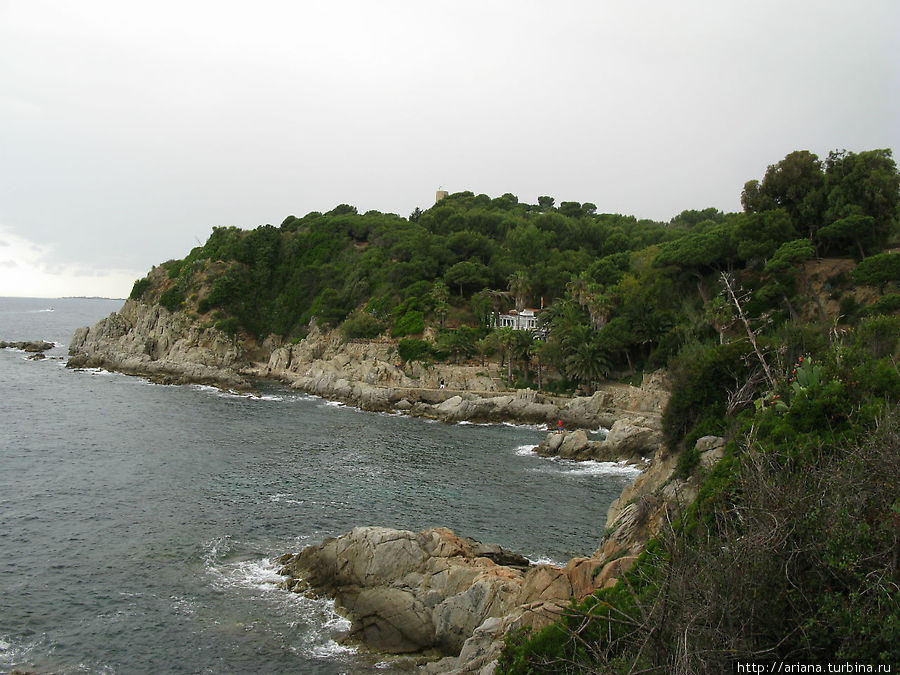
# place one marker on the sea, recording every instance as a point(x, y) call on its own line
point(140, 523)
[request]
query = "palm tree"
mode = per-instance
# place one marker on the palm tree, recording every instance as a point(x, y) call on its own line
point(519, 287)
point(586, 361)
point(497, 298)
point(506, 338)
point(536, 349)
point(440, 294)
point(521, 348)
point(590, 296)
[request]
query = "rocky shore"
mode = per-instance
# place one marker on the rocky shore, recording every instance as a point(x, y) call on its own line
point(34, 347)
point(412, 592)
point(430, 592)
point(174, 348)
point(451, 601)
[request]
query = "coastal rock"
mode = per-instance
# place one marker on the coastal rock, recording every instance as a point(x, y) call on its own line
point(657, 495)
point(29, 346)
point(634, 435)
point(168, 347)
point(408, 592)
point(576, 446)
point(711, 449)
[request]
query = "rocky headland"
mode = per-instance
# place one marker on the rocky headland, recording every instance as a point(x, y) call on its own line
point(431, 592)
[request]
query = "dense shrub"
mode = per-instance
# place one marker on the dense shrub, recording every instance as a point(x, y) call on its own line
point(413, 350)
point(701, 378)
point(172, 298)
point(361, 324)
point(410, 322)
point(140, 287)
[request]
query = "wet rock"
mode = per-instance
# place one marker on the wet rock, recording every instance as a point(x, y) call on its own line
point(30, 346)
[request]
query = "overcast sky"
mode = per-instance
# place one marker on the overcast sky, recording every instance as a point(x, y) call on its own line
point(129, 129)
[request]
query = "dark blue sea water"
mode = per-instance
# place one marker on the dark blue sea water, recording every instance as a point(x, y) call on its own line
point(138, 523)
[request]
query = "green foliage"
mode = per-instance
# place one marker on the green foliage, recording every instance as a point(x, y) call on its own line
point(878, 270)
point(643, 288)
point(700, 377)
point(361, 324)
point(413, 350)
point(172, 298)
point(789, 549)
point(887, 304)
point(459, 343)
point(140, 287)
point(408, 318)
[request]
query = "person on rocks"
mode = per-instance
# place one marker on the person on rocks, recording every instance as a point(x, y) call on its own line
point(559, 426)
point(442, 383)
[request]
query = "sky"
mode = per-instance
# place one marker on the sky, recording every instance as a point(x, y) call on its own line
point(128, 130)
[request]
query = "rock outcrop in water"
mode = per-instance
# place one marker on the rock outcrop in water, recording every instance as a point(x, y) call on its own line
point(631, 439)
point(29, 346)
point(409, 592)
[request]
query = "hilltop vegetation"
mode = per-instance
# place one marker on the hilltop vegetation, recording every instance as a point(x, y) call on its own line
point(780, 328)
point(622, 294)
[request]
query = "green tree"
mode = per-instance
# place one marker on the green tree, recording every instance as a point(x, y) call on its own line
point(467, 276)
point(440, 294)
point(796, 184)
point(587, 362)
point(867, 184)
point(758, 235)
point(506, 338)
point(788, 261)
point(843, 234)
point(878, 270)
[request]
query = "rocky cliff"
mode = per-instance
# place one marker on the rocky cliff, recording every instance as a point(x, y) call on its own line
point(175, 347)
point(167, 347)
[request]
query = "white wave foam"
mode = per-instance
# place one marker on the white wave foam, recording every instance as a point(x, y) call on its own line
point(284, 498)
point(94, 371)
point(531, 427)
point(591, 468)
point(293, 398)
point(318, 615)
point(334, 404)
point(526, 450)
point(12, 654)
point(227, 393)
point(544, 560)
point(328, 650)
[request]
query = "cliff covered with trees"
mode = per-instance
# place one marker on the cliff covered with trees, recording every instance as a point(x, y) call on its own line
point(780, 329)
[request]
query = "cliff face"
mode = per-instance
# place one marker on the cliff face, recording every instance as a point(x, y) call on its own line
point(167, 347)
point(370, 375)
